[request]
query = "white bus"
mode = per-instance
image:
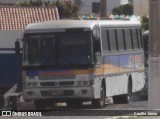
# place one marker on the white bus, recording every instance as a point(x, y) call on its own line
point(82, 60)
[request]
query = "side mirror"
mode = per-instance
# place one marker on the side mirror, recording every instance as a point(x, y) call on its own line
point(17, 47)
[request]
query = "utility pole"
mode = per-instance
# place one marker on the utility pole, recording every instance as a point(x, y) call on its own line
point(154, 56)
point(103, 9)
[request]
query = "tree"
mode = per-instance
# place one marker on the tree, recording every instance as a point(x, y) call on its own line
point(66, 9)
point(145, 22)
point(126, 9)
point(78, 2)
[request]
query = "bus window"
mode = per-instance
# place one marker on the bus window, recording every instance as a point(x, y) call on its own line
point(127, 34)
point(140, 32)
point(139, 37)
point(112, 40)
point(40, 49)
point(120, 39)
point(105, 44)
point(134, 39)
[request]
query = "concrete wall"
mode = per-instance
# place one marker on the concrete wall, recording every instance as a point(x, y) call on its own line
point(87, 8)
point(154, 56)
point(141, 7)
point(8, 38)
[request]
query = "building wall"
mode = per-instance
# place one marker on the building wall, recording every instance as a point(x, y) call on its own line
point(141, 7)
point(8, 38)
point(87, 7)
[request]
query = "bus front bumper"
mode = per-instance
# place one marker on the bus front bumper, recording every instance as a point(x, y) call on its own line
point(59, 93)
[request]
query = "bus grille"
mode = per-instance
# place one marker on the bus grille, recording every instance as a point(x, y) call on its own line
point(47, 83)
point(61, 83)
point(66, 83)
point(57, 77)
point(64, 93)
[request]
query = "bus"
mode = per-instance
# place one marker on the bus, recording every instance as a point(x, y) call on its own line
point(74, 61)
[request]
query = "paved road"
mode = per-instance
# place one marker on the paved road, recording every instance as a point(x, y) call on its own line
point(137, 103)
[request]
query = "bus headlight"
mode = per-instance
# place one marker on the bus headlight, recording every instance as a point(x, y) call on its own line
point(84, 80)
point(85, 83)
point(82, 83)
point(82, 77)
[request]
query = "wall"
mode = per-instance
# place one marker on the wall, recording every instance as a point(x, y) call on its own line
point(141, 7)
point(10, 62)
point(87, 8)
point(8, 38)
point(154, 55)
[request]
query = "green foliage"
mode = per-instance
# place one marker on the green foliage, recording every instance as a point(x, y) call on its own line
point(23, 4)
point(67, 9)
point(78, 2)
point(145, 22)
point(52, 4)
point(126, 9)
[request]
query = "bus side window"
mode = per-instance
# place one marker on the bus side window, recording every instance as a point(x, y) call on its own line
point(128, 38)
point(140, 32)
point(120, 39)
point(105, 44)
point(139, 37)
point(134, 39)
point(112, 40)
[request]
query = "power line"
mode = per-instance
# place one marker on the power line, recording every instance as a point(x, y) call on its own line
point(83, 5)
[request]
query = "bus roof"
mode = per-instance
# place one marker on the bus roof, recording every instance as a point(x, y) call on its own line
point(79, 24)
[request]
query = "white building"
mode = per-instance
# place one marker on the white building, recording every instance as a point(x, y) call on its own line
point(87, 5)
point(141, 7)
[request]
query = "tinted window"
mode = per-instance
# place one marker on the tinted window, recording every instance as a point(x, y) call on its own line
point(112, 39)
point(105, 40)
point(120, 39)
point(127, 34)
point(134, 39)
point(139, 37)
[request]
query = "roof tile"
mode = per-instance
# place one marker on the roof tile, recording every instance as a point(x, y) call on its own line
point(17, 18)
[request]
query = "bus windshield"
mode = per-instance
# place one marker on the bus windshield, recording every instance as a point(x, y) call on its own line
point(72, 47)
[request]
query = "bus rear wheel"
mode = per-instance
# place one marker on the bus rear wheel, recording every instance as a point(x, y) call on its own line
point(121, 99)
point(100, 103)
point(125, 98)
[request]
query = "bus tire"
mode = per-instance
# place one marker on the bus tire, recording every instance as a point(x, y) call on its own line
point(121, 99)
point(15, 103)
point(39, 104)
point(100, 103)
point(125, 98)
